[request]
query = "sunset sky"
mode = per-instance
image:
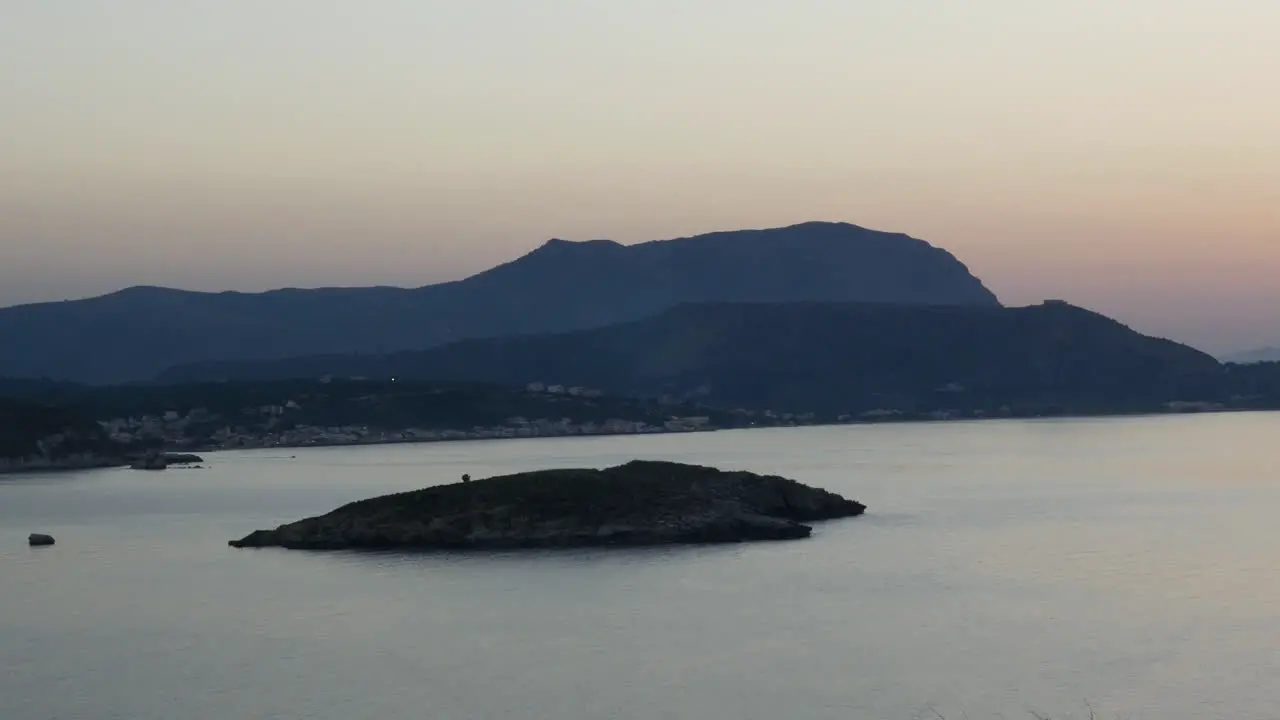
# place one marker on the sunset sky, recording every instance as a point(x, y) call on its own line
point(1124, 155)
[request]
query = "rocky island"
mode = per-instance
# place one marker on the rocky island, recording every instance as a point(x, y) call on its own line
point(639, 503)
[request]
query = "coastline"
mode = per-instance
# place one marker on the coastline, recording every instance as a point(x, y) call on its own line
point(29, 466)
point(859, 423)
point(10, 466)
point(433, 441)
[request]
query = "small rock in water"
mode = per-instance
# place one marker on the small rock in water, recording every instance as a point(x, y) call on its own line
point(37, 539)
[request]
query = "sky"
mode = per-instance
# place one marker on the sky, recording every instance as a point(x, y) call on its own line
point(1123, 155)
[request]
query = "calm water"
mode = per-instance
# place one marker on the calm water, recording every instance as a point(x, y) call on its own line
point(1003, 567)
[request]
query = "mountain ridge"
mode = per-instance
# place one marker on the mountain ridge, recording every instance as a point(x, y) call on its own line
point(819, 357)
point(551, 243)
point(131, 335)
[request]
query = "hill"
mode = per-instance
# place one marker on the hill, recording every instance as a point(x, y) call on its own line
point(34, 436)
point(823, 358)
point(561, 286)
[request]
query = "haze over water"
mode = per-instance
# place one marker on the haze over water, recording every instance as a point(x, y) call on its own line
point(1004, 566)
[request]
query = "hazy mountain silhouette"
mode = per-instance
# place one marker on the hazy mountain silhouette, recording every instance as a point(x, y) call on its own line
point(1267, 354)
point(804, 357)
point(136, 333)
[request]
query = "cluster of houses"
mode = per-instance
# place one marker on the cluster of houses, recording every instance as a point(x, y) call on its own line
point(264, 427)
point(175, 429)
point(574, 391)
point(513, 428)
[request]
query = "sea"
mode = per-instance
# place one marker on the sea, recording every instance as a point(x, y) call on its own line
point(1124, 568)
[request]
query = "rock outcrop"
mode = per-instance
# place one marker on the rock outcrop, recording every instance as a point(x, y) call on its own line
point(151, 461)
point(39, 540)
point(640, 503)
point(156, 460)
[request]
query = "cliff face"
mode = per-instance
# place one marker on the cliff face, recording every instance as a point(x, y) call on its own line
point(561, 286)
point(640, 503)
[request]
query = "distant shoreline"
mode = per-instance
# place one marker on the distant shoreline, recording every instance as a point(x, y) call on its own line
point(437, 441)
point(12, 468)
point(856, 423)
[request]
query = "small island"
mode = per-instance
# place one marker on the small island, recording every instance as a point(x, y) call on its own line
point(639, 503)
point(156, 460)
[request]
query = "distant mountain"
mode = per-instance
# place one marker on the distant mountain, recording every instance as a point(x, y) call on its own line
point(1267, 354)
point(561, 286)
point(819, 357)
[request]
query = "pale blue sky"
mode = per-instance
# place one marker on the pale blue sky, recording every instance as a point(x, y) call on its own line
point(1124, 154)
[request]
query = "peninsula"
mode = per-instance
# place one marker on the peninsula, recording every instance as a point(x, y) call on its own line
point(639, 503)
